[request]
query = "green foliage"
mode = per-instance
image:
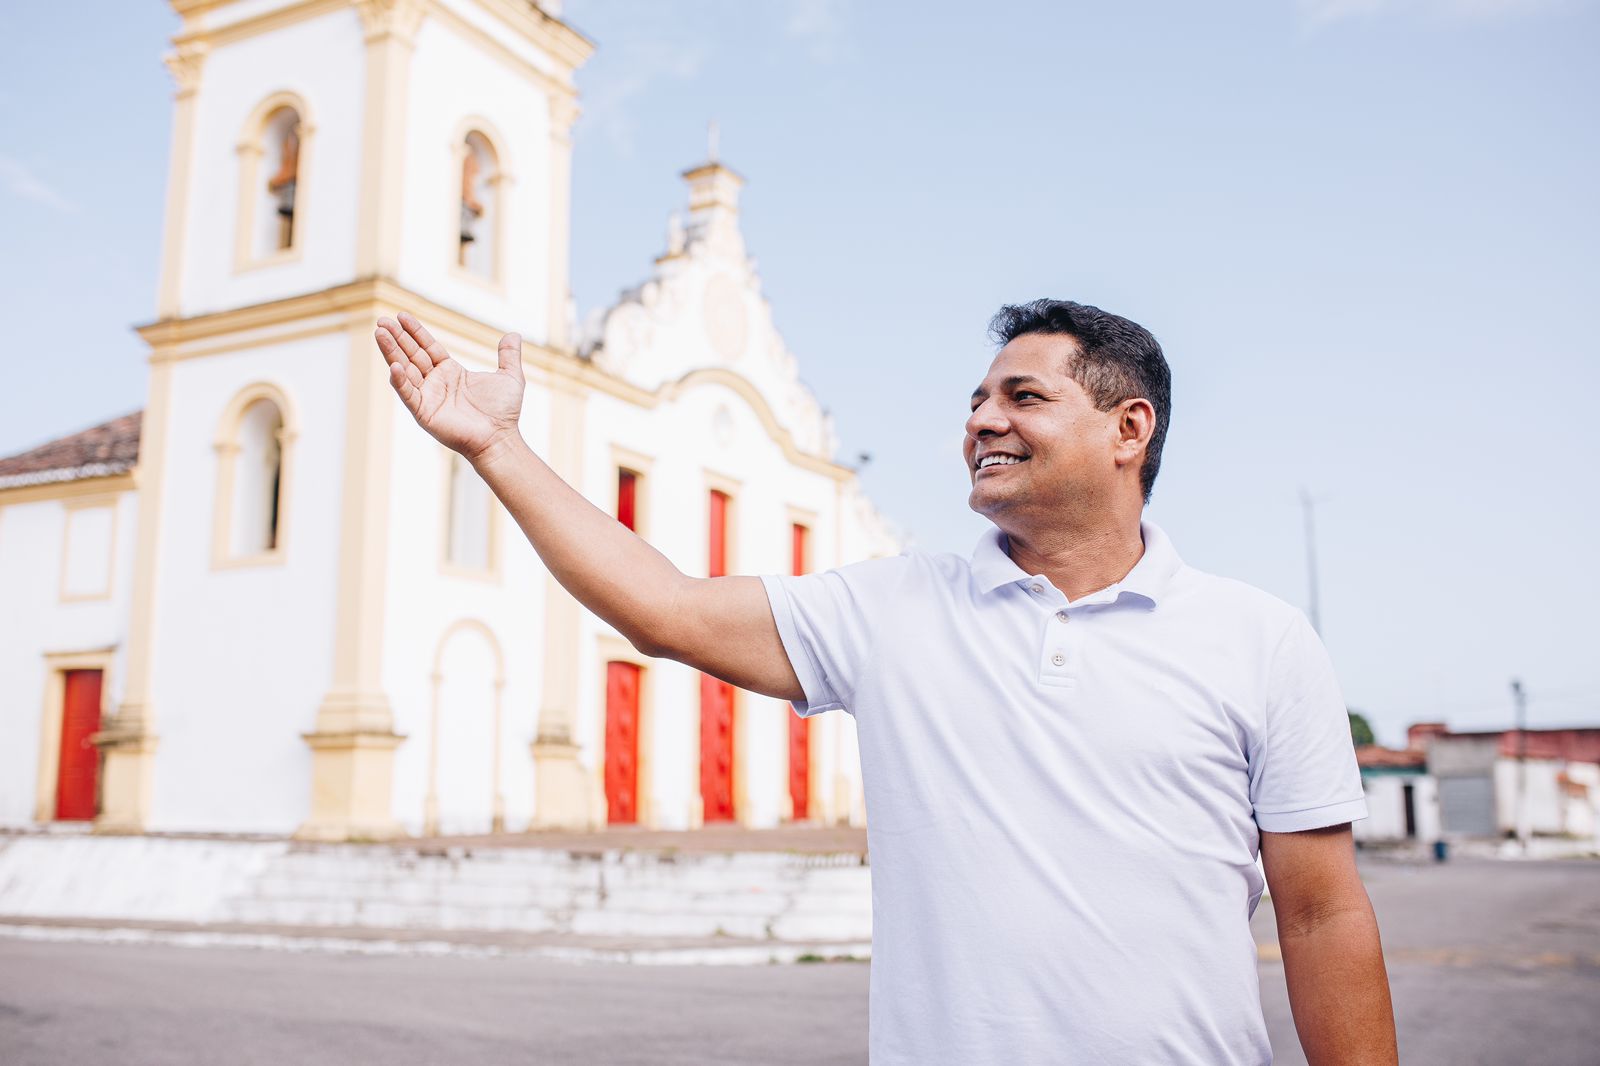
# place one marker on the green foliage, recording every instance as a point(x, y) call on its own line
point(1360, 730)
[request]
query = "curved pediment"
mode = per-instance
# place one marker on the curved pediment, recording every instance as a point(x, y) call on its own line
point(702, 309)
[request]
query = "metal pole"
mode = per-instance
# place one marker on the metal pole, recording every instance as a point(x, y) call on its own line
point(1309, 507)
point(1523, 819)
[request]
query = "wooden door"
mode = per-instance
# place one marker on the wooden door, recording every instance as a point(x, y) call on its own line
point(627, 497)
point(622, 743)
point(716, 697)
point(716, 749)
point(799, 728)
point(78, 773)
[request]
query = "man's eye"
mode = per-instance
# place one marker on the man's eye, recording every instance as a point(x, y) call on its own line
point(1024, 392)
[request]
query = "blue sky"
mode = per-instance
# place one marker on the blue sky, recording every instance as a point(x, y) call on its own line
point(1365, 232)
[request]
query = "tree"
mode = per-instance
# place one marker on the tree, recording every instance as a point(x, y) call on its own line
point(1360, 730)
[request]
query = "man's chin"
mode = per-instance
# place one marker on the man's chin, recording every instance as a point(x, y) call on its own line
point(984, 503)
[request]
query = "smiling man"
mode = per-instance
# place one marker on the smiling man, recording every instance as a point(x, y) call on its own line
point(1074, 745)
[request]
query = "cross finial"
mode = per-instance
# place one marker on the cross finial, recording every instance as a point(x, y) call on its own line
point(711, 141)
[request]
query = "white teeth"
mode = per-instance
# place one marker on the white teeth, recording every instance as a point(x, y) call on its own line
point(993, 460)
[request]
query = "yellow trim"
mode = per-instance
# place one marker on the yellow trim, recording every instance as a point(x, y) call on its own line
point(391, 29)
point(362, 301)
point(563, 113)
point(129, 738)
point(186, 63)
point(353, 741)
point(746, 390)
point(226, 445)
point(430, 802)
point(558, 699)
point(565, 47)
point(195, 30)
point(448, 567)
point(250, 150)
point(106, 501)
point(237, 344)
point(55, 666)
point(77, 488)
point(502, 183)
point(610, 649)
point(355, 701)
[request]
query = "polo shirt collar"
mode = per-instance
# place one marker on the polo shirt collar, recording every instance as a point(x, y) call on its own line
point(992, 567)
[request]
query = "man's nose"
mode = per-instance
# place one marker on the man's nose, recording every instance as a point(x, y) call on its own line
point(986, 417)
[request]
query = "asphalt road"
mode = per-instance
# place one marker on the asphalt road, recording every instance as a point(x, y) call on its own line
point(1490, 963)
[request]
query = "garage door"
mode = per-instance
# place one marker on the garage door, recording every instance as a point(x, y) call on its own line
point(1466, 805)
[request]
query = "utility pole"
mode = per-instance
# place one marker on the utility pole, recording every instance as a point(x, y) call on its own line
point(1309, 506)
point(1523, 814)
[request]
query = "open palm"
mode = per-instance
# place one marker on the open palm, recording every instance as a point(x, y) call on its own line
point(464, 410)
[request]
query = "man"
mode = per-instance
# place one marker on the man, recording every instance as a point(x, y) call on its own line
point(1073, 745)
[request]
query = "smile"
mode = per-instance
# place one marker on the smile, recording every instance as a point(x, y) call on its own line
point(996, 461)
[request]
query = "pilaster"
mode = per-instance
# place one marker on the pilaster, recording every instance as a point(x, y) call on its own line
point(391, 29)
point(564, 793)
point(354, 740)
point(563, 113)
point(128, 739)
point(185, 64)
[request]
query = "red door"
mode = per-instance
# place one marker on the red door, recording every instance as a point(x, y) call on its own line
point(627, 492)
point(716, 697)
point(622, 743)
point(799, 728)
point(79, 771)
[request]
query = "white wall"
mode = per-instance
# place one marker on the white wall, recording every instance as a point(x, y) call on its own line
point(423, 601)
point(34, 621)
point(680, 437)
point(323, 61)
point(243, 655)
point(1386, 812)
point(1546, 807)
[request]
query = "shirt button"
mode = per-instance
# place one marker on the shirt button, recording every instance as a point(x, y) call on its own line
point(1035, 588)
point(1063, 616)
point(1059, 659)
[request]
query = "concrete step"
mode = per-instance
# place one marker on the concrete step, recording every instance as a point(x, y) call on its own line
point(761, 896)
point(566, 947)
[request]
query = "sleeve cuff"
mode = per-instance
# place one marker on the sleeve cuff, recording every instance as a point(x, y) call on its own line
point(819, 697)
point(1312, 817)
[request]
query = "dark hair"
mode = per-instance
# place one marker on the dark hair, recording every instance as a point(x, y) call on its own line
point(1116, 359)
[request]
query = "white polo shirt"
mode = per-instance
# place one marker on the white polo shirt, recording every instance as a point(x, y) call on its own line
point(1063, 798)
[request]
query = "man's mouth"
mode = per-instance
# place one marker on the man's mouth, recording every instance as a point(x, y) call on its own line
point(998, 461)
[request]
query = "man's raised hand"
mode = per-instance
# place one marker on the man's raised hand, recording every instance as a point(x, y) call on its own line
point(466, 411)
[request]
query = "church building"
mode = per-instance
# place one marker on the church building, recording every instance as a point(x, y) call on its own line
point(269, 603)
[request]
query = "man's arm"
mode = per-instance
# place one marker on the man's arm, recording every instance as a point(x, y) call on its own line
point(723, 625)
point(1332, 957)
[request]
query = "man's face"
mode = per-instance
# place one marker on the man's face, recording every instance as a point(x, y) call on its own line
point(1035, 444)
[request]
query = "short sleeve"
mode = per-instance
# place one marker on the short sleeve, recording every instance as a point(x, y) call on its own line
point(826, 622)
point(1303, 772)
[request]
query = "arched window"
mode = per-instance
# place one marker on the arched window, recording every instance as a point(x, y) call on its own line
point(283, 166)
point(469, 532)
point(273, 151)
point(477, 239)
point(258, 480)
point(253, 450)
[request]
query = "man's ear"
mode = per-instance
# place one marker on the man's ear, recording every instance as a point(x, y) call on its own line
point(1135, 424)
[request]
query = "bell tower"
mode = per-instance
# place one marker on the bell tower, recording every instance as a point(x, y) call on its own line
point(331, 160)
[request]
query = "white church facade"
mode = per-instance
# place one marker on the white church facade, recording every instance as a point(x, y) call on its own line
point(269, 603)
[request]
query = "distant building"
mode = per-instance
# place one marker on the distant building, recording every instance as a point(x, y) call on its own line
point(269, 602)
point(1467, 784)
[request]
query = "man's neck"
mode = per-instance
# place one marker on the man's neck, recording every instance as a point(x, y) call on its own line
point(1079, 561)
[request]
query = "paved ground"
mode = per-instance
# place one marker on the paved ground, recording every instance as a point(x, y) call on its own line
point(1491, 963)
